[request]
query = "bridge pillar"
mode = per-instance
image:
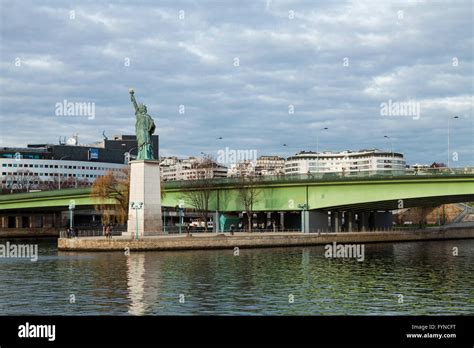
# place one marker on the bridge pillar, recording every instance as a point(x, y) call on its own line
point(32, 221)
point(336, 219)
point(18, 222)
point(215, 224)
point(304, 221)
point(48, 221)
point(363, 221)
point(282, 221)
point(349, 220)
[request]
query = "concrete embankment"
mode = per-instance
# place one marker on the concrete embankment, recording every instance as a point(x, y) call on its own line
point(29, 233)
point(255, 240)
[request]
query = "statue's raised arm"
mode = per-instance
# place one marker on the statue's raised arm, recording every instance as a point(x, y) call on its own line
point(134, 101)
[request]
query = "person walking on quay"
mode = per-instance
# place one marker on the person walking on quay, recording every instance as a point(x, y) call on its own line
point(110, 230)
point(107, 231)
point(187, 230)
point(232, 229)
point(104, 231)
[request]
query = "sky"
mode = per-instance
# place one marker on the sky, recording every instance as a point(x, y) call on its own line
point(244, 75)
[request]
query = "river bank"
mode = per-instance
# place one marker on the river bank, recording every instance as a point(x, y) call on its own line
point(204, 241)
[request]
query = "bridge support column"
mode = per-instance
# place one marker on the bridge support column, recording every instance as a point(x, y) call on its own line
point(48, 221)
point(32, 221)
point(336, 220)
point(349, 220)
point(363, 221)
point(282, 221)
point(304, 221)
point(18, 221)
point(215, 225)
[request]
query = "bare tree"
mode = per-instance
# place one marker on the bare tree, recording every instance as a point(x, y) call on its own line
point(22, 181)
point(56, 183)
point(198, 191)
point(420, 215)
point(248, 194)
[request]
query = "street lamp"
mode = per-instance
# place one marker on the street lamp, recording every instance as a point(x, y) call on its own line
point(317, 146)
point(59, 175)
point(72, 205)
point(180, 210)
point(449, 130)
point(137, 206)
point(391, 143)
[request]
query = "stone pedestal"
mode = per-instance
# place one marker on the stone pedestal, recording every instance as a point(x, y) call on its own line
point(145, 188)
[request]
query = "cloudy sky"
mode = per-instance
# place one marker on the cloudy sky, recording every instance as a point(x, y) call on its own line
point(258, 74)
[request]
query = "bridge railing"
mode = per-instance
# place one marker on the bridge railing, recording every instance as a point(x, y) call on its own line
point(92, 232)
point(379, 174)
point(175, 231)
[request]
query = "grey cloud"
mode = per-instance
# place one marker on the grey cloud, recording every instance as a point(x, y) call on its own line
point(283, 61)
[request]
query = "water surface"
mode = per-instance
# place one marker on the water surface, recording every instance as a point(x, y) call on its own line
point(257, 282)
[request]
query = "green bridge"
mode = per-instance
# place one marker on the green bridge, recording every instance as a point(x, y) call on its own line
point(310, 196)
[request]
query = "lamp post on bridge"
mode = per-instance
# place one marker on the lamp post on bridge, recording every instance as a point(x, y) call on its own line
point(59, 174)
point(317, 146)
point(391, 149)
point(391, 144)
point(449, 130)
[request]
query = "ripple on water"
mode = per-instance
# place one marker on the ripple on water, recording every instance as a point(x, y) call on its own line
point(258, 282)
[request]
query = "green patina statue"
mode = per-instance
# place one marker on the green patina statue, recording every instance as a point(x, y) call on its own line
point(144, 128)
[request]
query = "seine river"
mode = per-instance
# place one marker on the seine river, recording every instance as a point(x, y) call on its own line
point(274, 281)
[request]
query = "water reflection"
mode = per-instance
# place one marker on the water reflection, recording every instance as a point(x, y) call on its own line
point(258, 281)
point(136, 283)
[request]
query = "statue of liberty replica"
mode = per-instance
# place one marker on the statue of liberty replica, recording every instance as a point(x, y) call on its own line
point(144, 213)
point(144, 128)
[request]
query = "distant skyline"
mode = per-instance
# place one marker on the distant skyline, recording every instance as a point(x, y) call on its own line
point(249, 75)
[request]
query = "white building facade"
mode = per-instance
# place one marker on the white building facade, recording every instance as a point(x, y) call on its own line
point(344, 162)
point(40, 172)
point(270, 165)
point(173, 168)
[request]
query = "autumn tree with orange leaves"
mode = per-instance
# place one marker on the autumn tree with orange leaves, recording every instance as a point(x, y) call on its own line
point(115, 188)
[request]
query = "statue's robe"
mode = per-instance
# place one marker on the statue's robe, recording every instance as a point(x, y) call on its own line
point(144, 128)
